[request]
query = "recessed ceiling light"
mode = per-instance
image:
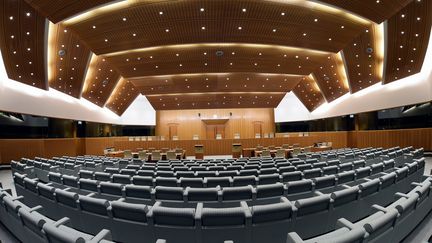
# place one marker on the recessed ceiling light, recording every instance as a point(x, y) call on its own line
point(203, 28)
point(240, 28)
point(167, 30)
point(124, 19)
point(160, 13)
point(274, 30)
point(28, 14)
point(244, 10)
point(202, 9)
point(11, 17)
point(315, 20)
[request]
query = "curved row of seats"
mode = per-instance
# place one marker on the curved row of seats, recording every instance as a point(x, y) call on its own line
point(387, 224)
point(241, 223)
point(28, 225)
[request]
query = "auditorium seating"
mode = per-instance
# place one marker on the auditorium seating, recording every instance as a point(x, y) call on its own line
point(243, 200)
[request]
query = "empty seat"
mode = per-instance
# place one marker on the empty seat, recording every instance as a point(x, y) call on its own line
point(271, 212)
point(111, 188)
point(312, 173)
point(230, 173)
point(129, 211)
point(134, 191)
point(85, 174)
point(218, 181)
point(191, 182)
point(299, 186)
point(344, 177)
point(330, 170)
point(202, 194)
point(345, 196)
point(286, 169)
point(292, 176)
point(142, 180)
point(166, 181)
point(268, 179)
point(312, 205)
point(244, 180)
point(169, 193)
point(369, 187)
point(124, 179)
point(150, 173)
point(362, 172)
point(223, 216)
point(274, 190)
point(102, 176)
point(325, 181)
point(203, 174)
point(173, 216)
point(304, 167)
point(237, 193)
point(345, 167)
point(249, 172)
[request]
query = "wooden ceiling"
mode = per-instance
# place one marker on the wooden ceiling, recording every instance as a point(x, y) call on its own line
point(214, 100)
point(408, 38)
point(66, 61)
point(191, 54)
point(304, 25)
point(22, 38)
point(375, 10)
point(216, 82)
point(59, 10)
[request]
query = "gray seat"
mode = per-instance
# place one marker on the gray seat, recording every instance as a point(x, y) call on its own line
point(111, 189)
point(142, 180)
point(369, 187)
point(244, 180)
point(192, 182)
point(202, 194)
point(102, 176)
point(268, 179)
point(122, 179)
point(362, 172)
point(312, 173)
point(166, 181)
point(169, 193)
point(130, 222)
point(292, 176)
point(347, 176)
point(218, 181)
point(86, 174)
point(299, 186)
point(88, 185)
point(273, 190)
point(137, 192)
point(324, 181)
point(330, 170)
point(237, 193)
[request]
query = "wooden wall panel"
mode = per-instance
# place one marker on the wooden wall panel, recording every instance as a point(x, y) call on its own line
point(390, 138)
point(190, 123)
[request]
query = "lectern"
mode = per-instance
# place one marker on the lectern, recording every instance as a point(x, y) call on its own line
point(236, 150)
point(199, 151)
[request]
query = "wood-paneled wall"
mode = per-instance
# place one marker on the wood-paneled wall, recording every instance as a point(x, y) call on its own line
point(18, 148)
point(190, 124)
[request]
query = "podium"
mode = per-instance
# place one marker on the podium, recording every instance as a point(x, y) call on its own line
point(236, 150)
point(199, 151)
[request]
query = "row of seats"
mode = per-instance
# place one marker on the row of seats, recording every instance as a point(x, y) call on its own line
point(388, 224)
point(130, 222)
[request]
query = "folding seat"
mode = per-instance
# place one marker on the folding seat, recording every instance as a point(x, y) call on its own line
point(32, 223)
point(301, 156)
point(333, 162)
point(130, 222)
point(267, 171)
point(312, 173)
point(180, 168)
point(412, 167)
point(198, 168)
point(391, 178)
point(169, 193)
point(304, 167)
point(111, 189)
point(165, 173)
point(268, 179)
point(377, 168)
point(292, 176)
point(130, 172)
point(401, 173)
point(88, 185)
point(124, 179)
point(47, 199)
point(267, 165)
point(123, 163)
point(271, 190)
point(311, 161)
point(218, 181)
point(237, 193)
point(94, 214)
point(345, 196)
point(148, 167)
point(362, 172)
point(286, 169)
point(166, 181)
point(319, 165)
point(389, 164)
point(102, 176)
point(70, 181)
point(230, 173)
point(202, 194)
point(68, 206)
point(283, 164)
point(299, 186)
point(342, 234)
point(369, 187)
point(174, 224)
point(345, 167)
point(249, 172)
point(216, 168)
point(420, 163)
point(192, 182)
point(324, 181)
point(203, 174)
point(143, 180)
point(317, 211)
point(112, 170)
point(86, 174)
point(298, 162)
point(379, 227)
point(344, 177)
point(244, 180)
point(330, 170)
point(146, 173)
point(358, 164)
point(249, 167)
point(185, 174)
point(137, 192)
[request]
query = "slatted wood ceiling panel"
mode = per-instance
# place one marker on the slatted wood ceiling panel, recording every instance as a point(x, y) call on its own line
point(364, 68)
point(230, 82)
point(59, 10)
point(67, 72)
point(376, 10)
point(122, 96)
point(203, 59)
point(331, 78)
point(22, 40)
point(100, 81)
point(309, 93)
point(408, 37)
point(182, 22)
point(214, 101)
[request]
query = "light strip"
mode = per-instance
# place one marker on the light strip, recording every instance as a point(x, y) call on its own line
point(90, 71)
point(379, 31)
point(217, 93)
point(212, 74)
point(305, 51)
point(99, 10)
point(50, 51)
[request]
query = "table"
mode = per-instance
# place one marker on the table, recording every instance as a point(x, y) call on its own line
point(321, 148)
point(117, 154)
point(252, 152)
